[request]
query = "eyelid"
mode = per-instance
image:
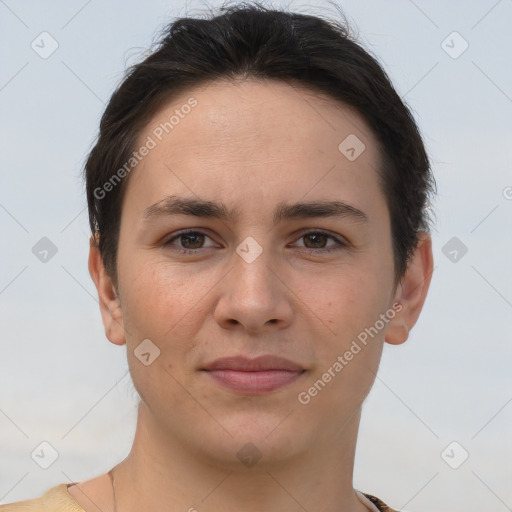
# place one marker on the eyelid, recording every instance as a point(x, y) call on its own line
point(341, 241)
point(186, 231)
point(306, 231)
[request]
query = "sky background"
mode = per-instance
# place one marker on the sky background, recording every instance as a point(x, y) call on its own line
point(63, 383)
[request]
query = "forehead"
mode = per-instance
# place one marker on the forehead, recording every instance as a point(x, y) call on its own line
point(260, 138)
point(256, 112)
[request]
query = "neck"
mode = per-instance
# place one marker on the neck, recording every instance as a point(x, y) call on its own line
point(161, 474)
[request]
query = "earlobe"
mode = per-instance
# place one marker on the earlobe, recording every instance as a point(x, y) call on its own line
point(412, 291)
point(110, 307)
point(398, 329)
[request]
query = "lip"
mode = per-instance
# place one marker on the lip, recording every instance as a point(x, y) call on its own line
point(254, 376)
point(259, 364)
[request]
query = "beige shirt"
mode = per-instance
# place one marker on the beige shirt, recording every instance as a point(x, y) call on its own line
point(58, 499)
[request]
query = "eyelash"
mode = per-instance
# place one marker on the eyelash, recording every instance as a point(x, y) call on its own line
point(340, 243)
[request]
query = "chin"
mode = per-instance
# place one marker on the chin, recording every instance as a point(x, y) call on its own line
point(257, 441)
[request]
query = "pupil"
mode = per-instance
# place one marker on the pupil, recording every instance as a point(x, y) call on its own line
point(316, 237)
point(192, 235)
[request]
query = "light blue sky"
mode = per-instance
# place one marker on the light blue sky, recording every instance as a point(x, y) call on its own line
point(61, 381)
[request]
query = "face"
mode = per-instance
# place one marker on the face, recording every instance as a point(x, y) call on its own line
point(311, 287)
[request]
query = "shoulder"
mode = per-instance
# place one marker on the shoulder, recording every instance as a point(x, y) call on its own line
point(56, 499)
point(33, 505)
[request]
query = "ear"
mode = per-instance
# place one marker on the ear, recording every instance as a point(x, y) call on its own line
point(412, 291)
point(110, 305)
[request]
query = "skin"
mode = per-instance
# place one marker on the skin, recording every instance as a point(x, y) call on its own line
point(251, 144)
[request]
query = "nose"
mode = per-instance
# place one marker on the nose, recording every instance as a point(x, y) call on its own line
point(254, 295)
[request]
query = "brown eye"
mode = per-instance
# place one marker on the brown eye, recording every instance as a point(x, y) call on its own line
point(191, 242)
point(192, 239)
point(316, 241)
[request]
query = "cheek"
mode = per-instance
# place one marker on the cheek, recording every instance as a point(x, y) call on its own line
point(347, 300)
point(154, 300)
point(348, 351)
point(165, 304)
point(156, 306)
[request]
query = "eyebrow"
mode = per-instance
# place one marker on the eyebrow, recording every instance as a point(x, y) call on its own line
point(174, 205)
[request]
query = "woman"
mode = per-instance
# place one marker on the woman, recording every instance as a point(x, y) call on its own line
point(257, 198)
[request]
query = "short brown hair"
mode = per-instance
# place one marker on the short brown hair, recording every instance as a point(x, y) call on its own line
point(250, 40)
